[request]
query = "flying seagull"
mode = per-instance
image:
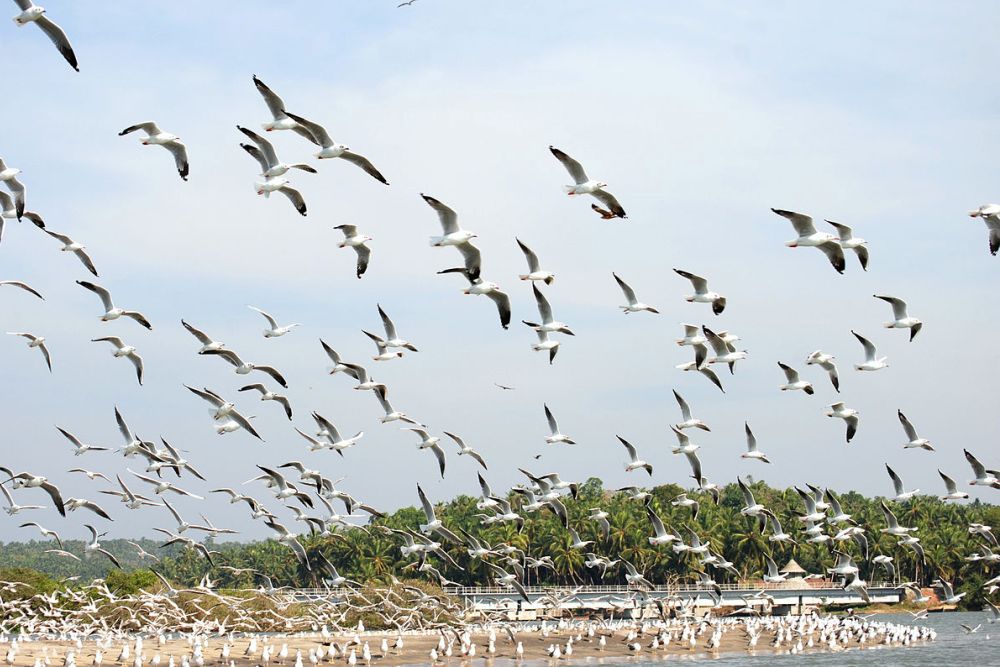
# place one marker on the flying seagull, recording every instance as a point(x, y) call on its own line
point(273, 330)
point(331, 149)
point(849, 415)
point(848, 241)
point(352, 239)
point(990, 214)
point(583, 185)
point(27, 288)
point(69, 245)
point(535, 271)
point(702, 293)
point(633, 304)
point(900, 318)
point(35, 341)
point(825, 361)
point(872, 361)
point(264, 153)
point(794, 381)
point(808, 237)
point(32, 13)
point(914, 441)
point(123, 350)
point(110, 311)
point(157, 137)
point(8, 176)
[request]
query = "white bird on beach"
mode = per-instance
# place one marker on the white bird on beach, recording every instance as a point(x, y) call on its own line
point(872, 361)
point(35, 341)
point(825, 361)
point(848, 241)
point(900, 318)
point(32, 13)
point(555, 435)
point(123, 350)
point(535, 271)
point(752, 451)
point(849, 415)
point(359, 242)
point(809, 237)
point(583, 185)
point(157, 137)
point(633, 305)
point(331, 149)
point(273, 330)
point(794, 381)
point(69, 245)
point(111, 312)
point(914, 441)
point(701, 292)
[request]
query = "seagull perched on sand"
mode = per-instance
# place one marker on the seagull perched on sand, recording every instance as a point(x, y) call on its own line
point(111, 312)
point(352, 239)
point(702, 293)
point(331, 149)
point(990, 214)
point(900, 319)
point(809, 237)
point(555, 435)
point(35, 341)
point(157, 137)
point(583, 185)
point(123, 350)
point(633, 305)
point(914, 441)
point(794, 381)
point(872, 361)
point(535, 271)
point(32, 13)
point(69, 245)
point(825, 361)
point(849, 415)
point(273, 330)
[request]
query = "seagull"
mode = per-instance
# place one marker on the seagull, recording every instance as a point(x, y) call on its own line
point(751, 507)
point(849, 415)
point(489, 289)
point(110, 311)
point(871, 362)
point(545, 343)
point(286, 537)
point(689, 421)
point(900, 319)
point(282, 185)
point(27, 480)
point(161, 486)
point(634, 305)
point(465, 449)
point(264, 153)
point(706, 371)
point(243, 368)
point(12, 507)
point(24, 286)
point(752, 451)
point(207, 343)
point(911, 433)
point(276, 106)
point(32, 13)
point(701, 292)
point(329, 432)
point(330, 149)
point(535, 271)
point(268, 395)
point(91, 475)
point(825, 361)
point(79, 447)
point(35, 341)
point(634, 462)
point(44, 531)
point(434, 524)
point(555, 436)
point(545, 311)
point(984, 477)
point(809, 237)
point(360, 373)
point(383, 350)
point(892, 524)
point(223, 409)
point(897, 483)
point(352, 239)
point(586, 186)
point(73, 504)
point(693, 337)
point(157, 137)
point(794, 381)
point(431, 443)
point(990, 214)
point(8, 175)
point(725, 353)
point(273, 330)
point(123, 350)
point(69, 245)
point(453, 234)
point(391, 414)
point(777, 535)
point(405, 4)
point(392, 339)
point(848, 241)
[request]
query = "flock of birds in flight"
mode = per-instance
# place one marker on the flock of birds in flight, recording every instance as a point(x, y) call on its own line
point(301, 489)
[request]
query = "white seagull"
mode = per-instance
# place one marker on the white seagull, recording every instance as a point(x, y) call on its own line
point(849, 415)
point(276, 106)
point(25, 286)
point(111, 312)
point(689, 421)
point(32, 13)
point(990, 214)
point(268, 395)
point(872, 361)
point(848, 241)
point(432, 443)
point(634, 462)
point(752, 451)
point(35, 341)
point(223, 410)
point(391, 414)
point(453, 234)
point(555, 436)
point(478, 286)
point(392, 338)
point(244, 367)
point(583, 185)
point(633, 305)
point(702, 293)
point(273, 330)
point(331, 149)
point(8, 176)
point(69, 245)
point(809, 237)
point(282, 185)
point(902, 494)
point(264, 153)
point(79, 447)
point(951, 488)
point(900, 319)
point(157, 137)
point(207, 343)
point(914, 441)
point(825, 361)
point(352, 239)
point(123, 350)
point(984, 477)
point(464, 449)
point(535, 271)
point(794, 381)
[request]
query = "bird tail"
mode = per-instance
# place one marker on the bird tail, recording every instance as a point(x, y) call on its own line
point(569, 189)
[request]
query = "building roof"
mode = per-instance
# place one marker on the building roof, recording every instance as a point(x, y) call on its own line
point(793, 568)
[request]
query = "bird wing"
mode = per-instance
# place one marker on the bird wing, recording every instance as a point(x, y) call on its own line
point(574, 168)
point(364, 163)
point(270, 320)
point(553, 425)
point(200, 335)
point(870, 351)
point(179, 151)
point(544, 309)
point(695, 462)
point(843, 231)
point(529, 255)
point(448, 217)
point(256, 154)
point(835, 253)
point(364, 256)
point(273, 372)
point(628, 446)
point(439, 453)
point(104, 294)
point(207, 395)
point(53, 492)
point(319, 133)
point(790, 373)
point(149, 127)
point(911, 432)
point(898, 306)
point(390, 328)
point(274, 103)
point(977, 468)
point(626, 290)
point(295, 197)
point(503, 306)
point(802, 223)
point(428, 507)
point(609, 200)
point(751, 440)
point(266, 148)
point(685, 409)
point(699, 283)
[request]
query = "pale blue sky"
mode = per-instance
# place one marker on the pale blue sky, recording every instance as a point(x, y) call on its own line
point(700, 116)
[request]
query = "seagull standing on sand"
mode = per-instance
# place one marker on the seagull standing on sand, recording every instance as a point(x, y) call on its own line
point(331, 149)
point(32, 13)
point(583, 185)
point(157, 137)
point(808, 237)
point(872, 361)
point(352, 239)
point(633, 304)
point(110, 311)
point(702, 293)
point(900, 319)
point(123, 350)
point(35, 341)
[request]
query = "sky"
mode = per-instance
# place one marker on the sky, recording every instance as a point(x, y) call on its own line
point(699, 116)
